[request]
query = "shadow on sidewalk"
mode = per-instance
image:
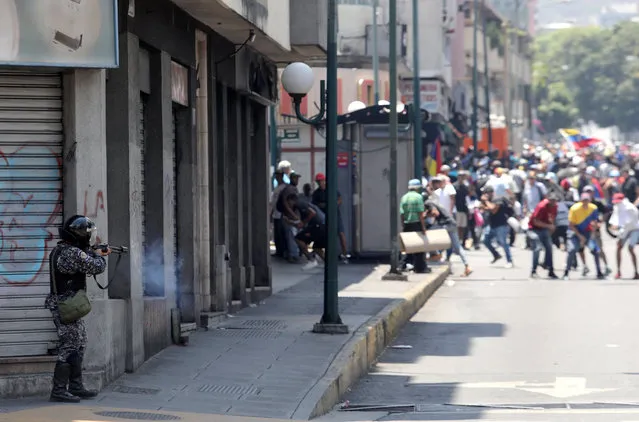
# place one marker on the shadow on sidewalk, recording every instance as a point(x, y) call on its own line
point(264, 360)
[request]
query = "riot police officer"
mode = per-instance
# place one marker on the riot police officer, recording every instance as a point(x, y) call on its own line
point(70, 263)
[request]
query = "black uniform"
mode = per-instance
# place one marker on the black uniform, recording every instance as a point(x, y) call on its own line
point(71, 261)
point(71, 266)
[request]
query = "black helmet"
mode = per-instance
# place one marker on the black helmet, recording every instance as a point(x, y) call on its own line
point(78, 231)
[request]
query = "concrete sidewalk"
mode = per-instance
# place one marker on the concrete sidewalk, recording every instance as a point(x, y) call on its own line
point(264, 361)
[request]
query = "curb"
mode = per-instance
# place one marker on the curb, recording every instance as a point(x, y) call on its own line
point(367, 344)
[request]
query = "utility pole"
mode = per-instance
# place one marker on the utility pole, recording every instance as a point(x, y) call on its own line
point(475, 105)
point(487, 84)
point(508, 54)
point(375, 52)
point(418, 146)
point(394, 273)
point(519, 110)
point(507, 89)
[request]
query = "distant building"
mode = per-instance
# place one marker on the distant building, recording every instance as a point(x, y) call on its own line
point(615, 13)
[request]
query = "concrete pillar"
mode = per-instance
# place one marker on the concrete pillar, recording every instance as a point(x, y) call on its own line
point(221, 192)
point(124, 187)
point(214, 208)
point(249, 185)
point(202, 209)
point(236, 194)
point(85, 192)
point(187, 202)
point(260, 173)
point(160, 260)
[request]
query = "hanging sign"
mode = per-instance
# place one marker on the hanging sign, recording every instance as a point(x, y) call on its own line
point(342, 159)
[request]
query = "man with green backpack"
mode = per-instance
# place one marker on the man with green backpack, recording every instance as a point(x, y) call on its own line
point(69, 264)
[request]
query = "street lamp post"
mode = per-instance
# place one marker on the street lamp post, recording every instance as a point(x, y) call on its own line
point(475, 105)
point(417, 115)
point(487, 83)
point(375, 51)
point(394, 273)
point(298, 80)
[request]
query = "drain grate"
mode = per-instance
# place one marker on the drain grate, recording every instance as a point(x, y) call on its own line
point(138, 416)
point(247, 333)
point(269, 324)
point(125, 389)
point(231, 390)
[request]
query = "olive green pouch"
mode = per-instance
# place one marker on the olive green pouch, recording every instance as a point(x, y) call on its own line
point(74, 307)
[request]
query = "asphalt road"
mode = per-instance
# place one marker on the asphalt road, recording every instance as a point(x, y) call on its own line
point(501, 346)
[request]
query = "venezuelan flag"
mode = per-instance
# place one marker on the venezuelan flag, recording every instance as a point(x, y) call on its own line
point(434, 160)
point(576, 139)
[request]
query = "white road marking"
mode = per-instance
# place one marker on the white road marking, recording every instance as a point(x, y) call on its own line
point(563, 387)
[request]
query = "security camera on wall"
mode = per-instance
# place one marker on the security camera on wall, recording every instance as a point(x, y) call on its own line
point(69, 27)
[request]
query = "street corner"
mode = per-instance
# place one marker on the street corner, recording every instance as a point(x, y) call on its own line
point(368, 343)
point(70, 413)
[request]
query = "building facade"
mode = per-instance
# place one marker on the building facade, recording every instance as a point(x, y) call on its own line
point(508, 72)
point(155, 130)
point(304, 146)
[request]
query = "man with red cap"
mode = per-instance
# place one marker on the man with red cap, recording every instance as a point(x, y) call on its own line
point(625, 216)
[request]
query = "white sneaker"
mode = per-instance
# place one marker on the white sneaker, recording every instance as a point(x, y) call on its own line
point(310, 265)
point(508, 265)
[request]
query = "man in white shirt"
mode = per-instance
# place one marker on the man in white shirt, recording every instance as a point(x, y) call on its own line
point(534, 193)
point(500, 184)
point(284, 167)
point(445, 193)
point(625, 215)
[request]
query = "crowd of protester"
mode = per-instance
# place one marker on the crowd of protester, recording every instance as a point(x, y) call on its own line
point(549, 196)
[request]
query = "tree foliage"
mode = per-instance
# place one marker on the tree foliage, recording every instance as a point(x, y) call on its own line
point(590, 74)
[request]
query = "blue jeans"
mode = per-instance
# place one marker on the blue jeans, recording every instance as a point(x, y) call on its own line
point(455, 244)
point(500, 234)
point(573, 247)
point(541, 239)
point(293, 251)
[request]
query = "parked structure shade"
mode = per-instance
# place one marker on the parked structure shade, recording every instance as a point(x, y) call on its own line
point(31, 142)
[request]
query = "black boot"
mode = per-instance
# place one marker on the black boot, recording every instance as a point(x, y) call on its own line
point(59, 392)
point(76, 387)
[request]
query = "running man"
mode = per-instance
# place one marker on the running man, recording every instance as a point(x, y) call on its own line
point(583, 219)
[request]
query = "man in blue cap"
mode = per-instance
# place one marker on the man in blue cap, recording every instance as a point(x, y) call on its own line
point(412, 209)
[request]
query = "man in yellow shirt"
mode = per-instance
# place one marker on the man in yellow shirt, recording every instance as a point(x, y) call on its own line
point(583, 218)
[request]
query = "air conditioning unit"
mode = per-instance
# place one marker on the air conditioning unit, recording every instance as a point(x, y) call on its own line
point(255, 77)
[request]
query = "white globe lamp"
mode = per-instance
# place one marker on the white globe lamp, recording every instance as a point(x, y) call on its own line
point(298, 80)
point(355, 106)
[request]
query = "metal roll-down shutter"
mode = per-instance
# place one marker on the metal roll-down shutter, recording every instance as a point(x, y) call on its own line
point(31, 140)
